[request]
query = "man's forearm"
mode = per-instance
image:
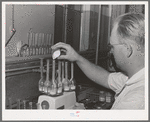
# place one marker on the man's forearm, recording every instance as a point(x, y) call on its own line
point(93, 72)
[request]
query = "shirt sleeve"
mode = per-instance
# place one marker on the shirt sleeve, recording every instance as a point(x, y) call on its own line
point(116, 81)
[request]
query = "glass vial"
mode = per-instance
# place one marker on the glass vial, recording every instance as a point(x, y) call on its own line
point(66, 81)
point(102, 97)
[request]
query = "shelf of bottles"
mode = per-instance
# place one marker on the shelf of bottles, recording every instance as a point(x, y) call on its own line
point(60, 81)
point(38, 46)
point(22, 104)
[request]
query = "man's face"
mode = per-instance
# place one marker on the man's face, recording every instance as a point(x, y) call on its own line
point(117, 49)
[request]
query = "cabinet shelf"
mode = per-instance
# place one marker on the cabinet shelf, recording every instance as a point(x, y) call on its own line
point(13, 59)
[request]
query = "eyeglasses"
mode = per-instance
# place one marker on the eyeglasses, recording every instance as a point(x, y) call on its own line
point(110, 46)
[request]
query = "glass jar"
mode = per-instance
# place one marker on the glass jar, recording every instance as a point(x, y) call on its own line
point(108, 97)
point(102, 97)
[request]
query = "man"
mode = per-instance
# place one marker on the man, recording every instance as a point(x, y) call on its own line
point(127, 46)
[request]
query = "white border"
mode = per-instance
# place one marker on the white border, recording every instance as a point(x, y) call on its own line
point(83, 114)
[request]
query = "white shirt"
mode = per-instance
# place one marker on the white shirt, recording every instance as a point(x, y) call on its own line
point(130, 93)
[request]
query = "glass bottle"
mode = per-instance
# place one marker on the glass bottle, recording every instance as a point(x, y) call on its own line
point(47, 82)
point(72, 80)
point(59, 84)
point(66, 81)
point(102, 97)
point(53, 87)
point(108, 97)
point(24, 104)
point(41, 81)
point(23, 50)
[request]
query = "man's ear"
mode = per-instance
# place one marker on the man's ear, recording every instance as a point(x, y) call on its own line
point(129, 50)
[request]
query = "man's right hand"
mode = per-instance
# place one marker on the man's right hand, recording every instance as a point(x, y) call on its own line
point(70, 55)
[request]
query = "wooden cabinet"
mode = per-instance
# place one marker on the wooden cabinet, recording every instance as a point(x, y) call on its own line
point(72, 27)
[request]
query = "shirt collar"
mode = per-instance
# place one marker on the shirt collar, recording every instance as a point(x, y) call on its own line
point(136, 77)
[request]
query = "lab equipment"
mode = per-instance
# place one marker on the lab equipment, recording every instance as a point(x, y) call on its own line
point(53, 87)
point(33, 46)
point(66, 81)
point(72, 80)
point(47, 83)
point(36, 44)
point(41, 81)
point(65, 101)
point(59, 83)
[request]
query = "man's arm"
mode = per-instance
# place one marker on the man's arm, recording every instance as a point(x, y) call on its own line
point(92, 71)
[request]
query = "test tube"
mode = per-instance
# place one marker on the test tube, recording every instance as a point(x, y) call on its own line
point(44, 44)
point(62, 76)
point(36, 44)
point(47, 82)
point(33, 48)
point(27, 50)
point(41, 81)
point(53, 72)
point(31, 44)
point(66, 83)
point(40, 43)
point(52, 40)
point(47, 44)
point(50, 43)
point(53, 90)
point(72, 80)
point(59, 90)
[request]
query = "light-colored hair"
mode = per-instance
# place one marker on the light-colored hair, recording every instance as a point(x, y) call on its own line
point(131, 27)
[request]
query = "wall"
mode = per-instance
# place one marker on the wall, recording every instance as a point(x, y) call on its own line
point(36, 18)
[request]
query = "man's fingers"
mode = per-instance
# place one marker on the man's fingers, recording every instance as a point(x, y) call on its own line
point(60, 45)
point(62, 57)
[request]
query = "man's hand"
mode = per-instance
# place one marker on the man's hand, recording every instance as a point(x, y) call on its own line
point(70, 55)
